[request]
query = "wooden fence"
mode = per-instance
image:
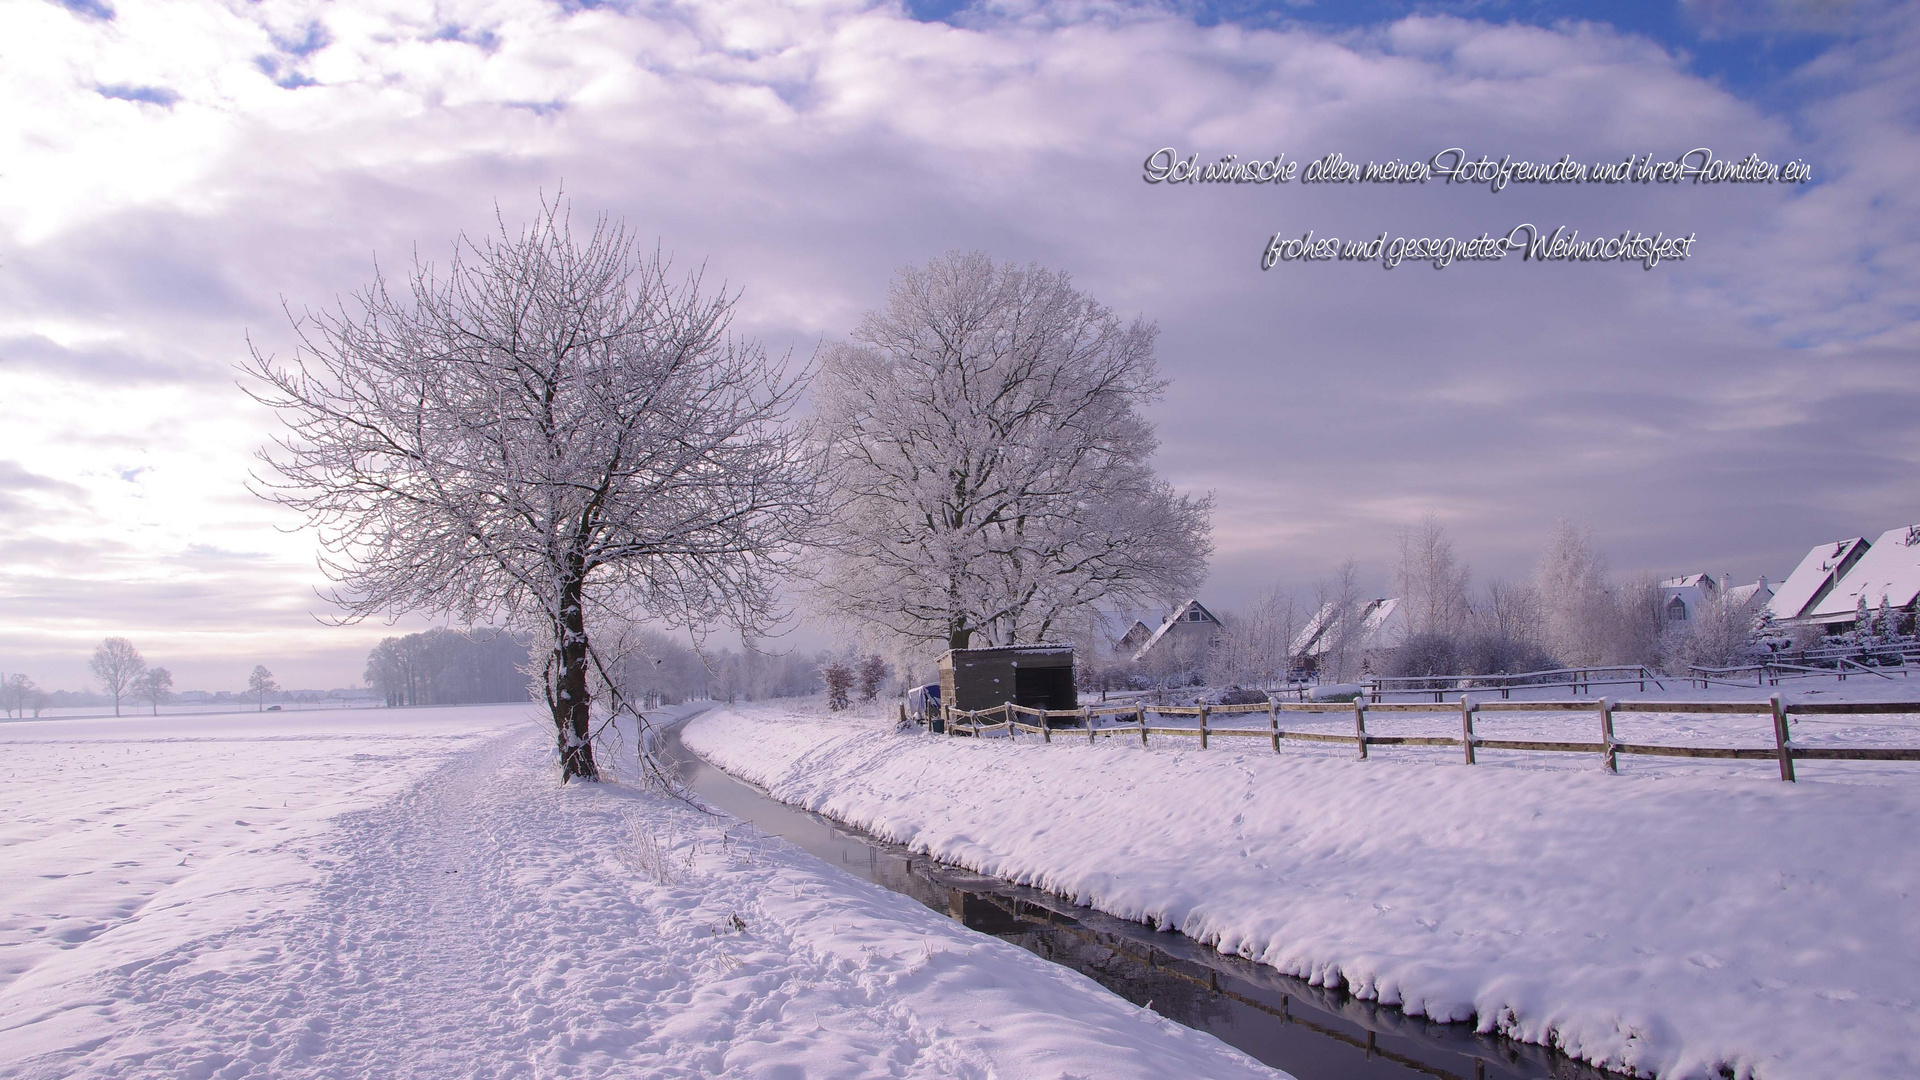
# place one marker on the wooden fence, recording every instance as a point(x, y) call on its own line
point(1579, 680)
point(1075, 722)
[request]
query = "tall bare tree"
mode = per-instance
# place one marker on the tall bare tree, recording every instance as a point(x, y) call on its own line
point(1431, 580)
point(118, 666)
point(989, 464)
point(1337, 633)
point(548, 434)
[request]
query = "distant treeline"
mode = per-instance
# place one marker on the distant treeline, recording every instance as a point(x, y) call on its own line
point(488, 664)
point(450, 667)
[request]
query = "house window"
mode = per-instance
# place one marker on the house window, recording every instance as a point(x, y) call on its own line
point(1676, 610)
point(1194, 616)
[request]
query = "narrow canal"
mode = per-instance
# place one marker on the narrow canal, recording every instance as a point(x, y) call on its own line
point(1315, 1033)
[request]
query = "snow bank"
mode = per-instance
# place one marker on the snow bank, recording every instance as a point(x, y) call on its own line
point(411, 894)
point(1670, 923)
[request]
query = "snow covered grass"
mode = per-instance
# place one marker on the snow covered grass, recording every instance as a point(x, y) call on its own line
point(1678, 921)
point(410, 893)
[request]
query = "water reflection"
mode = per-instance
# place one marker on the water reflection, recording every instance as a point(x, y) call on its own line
point(1315, 1033)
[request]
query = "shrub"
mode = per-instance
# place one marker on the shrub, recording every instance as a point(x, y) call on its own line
point(1424, 654)
point(1235, 695)
point(839, 679)
point(1496, 654)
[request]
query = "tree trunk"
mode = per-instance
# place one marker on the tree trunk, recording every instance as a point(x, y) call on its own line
point(572, 705)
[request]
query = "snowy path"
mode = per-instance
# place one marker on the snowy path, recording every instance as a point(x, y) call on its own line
point(1679, 924)
point(487, 923)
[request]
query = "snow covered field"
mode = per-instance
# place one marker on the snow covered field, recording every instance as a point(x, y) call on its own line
point(410, 893)
point(1679, 919)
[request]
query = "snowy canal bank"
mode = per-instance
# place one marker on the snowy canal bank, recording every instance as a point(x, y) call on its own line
point(409, 893)
point(1676, 923)
point(1314, 1033)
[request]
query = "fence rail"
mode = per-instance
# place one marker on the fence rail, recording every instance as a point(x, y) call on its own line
point(1783, 749)
point(1579, 680)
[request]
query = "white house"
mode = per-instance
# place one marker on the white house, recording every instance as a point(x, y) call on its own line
point(1889, 569)
point(1814, 578)
point(1190, 631)
point(1383, 626)
point(1683, 598)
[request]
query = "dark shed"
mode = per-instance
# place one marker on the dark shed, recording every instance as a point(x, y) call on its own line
point(1036, 676)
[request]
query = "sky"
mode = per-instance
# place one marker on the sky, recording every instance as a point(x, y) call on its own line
point(176, 178)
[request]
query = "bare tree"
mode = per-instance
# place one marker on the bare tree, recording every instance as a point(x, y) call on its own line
point(156, 686)
point(118, 666)
point(1257, 646)
point(260, 683)
point(1431, 579)
point(548, 434)
point(989, 465)
point(1339, 627)
point(1511, 611)
point(16, 693)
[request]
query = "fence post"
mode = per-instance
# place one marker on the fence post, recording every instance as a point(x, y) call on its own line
point(1466, 726)
point(1046, 727)
point(1140, 717)
point(1780, 739)
point(1203, 725)
point(1086, 713)
point(1360, 725)
point(1273, 722)
point(1606, 736)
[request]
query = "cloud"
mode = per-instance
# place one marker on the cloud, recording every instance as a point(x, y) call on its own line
point(1738, 407)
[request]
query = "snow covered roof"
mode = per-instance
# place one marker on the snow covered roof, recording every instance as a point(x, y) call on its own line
point(1691, 581)
point(1747, 594)
point(1815, 577)
point(1382, 625)
point(1048, 647)
point(1890, 569)
point(1178, 616)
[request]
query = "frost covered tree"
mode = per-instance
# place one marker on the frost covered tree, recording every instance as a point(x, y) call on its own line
point(1578, 616)
point(989, 463)
point(1720, 634)
point(551, 434)
point(1339, 626)
point(1431, 579)
point(118, 666)
point(1256, 648)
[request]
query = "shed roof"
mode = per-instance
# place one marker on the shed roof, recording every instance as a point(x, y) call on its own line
point(1045, 647)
